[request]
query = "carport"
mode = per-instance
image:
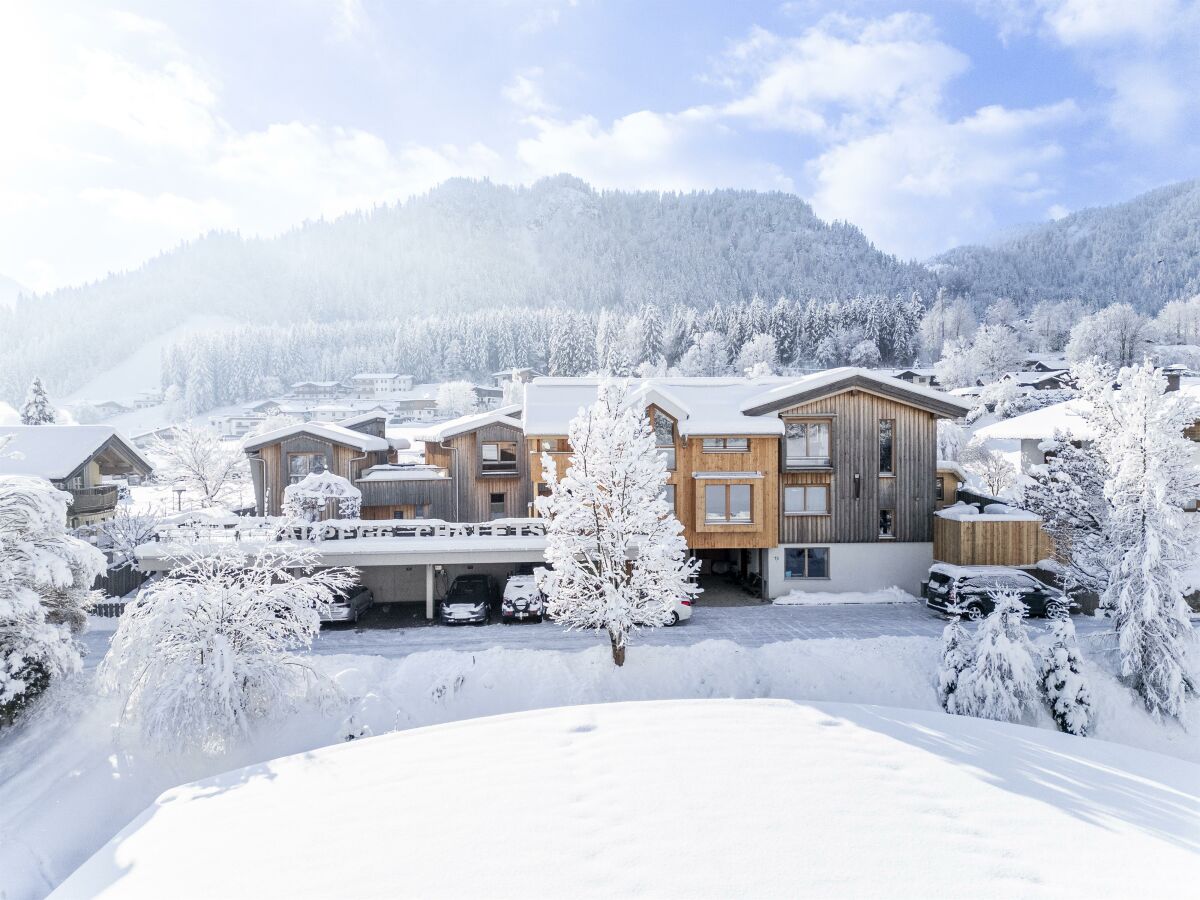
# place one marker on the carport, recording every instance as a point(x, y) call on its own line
point(396, 564)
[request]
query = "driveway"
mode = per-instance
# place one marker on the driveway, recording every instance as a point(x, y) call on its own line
point(400, 631)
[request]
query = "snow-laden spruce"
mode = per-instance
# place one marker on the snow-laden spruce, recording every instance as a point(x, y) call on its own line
point(958, 652)
point(211, 648)
point(1002, 681)
point(307, 499)
point(1068, 493)
point(46, 578)
point(36, 410)
point(1150, 471)
point(618, 554)
point(1065, 687)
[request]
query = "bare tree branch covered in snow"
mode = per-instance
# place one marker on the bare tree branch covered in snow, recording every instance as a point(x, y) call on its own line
point(618, 553)
point(208, 651)
point(128, 529)
point(457, 398)
point(46, 578)
point(201, 459)
point(1150, 471)
point(996, 472)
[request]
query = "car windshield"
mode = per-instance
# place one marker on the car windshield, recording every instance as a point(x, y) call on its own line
point(466, 593)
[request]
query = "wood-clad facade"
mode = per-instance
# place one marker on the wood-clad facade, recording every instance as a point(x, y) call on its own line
point(485, 488)
point(858, 489)
point(275, 466)
point(993, 541)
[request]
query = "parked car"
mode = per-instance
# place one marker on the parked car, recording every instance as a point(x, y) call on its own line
point(469, 600)
point(348, 605)
point(966, 590)
point(522, 600)
point(681, 613)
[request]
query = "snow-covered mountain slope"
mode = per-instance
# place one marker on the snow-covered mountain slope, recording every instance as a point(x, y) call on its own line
point(141, 370)
point(9, 290)
point(712, 798)
point(1145, 252)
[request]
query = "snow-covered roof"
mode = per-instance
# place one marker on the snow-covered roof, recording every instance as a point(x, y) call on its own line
point(949, 465)
point(1040, 424)
point(336, 434)
point(404, 473)
point(1034, 377)
point(364, 417)
point(375, 376)
point(323, 484)
point(56, 451)
point(996, 512)
point(718, 406)
point(953, 571)
point(316, 384)
point(503, 415)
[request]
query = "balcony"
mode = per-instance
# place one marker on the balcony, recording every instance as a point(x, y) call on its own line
point(801, 463)
point(89, 500)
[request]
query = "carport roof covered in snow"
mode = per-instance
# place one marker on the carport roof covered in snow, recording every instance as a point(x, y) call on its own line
point(386, 551)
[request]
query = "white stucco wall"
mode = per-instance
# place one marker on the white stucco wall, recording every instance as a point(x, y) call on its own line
point(857, 567)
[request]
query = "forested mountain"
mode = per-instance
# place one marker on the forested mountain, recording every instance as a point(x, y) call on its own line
point(466, 245)
point(9, 290)
point(476, 255)
point(1145, 252)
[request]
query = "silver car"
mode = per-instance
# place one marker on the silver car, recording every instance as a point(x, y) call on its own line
point(348, 606)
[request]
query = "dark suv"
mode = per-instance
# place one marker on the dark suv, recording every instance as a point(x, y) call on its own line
point(967, 590)
point(470, 599)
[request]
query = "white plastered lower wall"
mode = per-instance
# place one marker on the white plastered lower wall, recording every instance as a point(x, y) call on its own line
point(857, 567)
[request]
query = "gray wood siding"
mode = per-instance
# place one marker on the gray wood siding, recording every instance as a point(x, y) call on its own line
point(462, 457)
point(855, 450)
point(387, 495)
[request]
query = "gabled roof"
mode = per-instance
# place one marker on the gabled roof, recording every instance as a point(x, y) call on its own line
point(375, 376)
point(364, 418)
point(504, 415)
point(327, 431)
point(836, 381)
point(59, 451)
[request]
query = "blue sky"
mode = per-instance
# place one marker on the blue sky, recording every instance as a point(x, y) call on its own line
point(131, 127)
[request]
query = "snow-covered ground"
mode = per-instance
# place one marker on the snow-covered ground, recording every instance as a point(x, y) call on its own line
point(716, 798)
point(69, 781)
point(834, 598)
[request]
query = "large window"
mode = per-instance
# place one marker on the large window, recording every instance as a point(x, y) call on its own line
point(726, 445)
point(807, 444)
point(806, 562)
point(499, 457)
point(302, 464)
point(664, 436)
point(806, 500)
point(887, 430)
point(727, 504)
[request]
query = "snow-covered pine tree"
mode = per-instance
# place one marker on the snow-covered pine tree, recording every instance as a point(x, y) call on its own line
point(1062, 679)
point(1068, 493)
point(1138, 429)
point(209, 650)
point(36, 410)
point(1003, 678)
point(46, 577)
point(618, 556)
point(957, 655)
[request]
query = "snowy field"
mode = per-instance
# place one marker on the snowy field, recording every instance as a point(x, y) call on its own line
point(716, 798)
point(69, 762)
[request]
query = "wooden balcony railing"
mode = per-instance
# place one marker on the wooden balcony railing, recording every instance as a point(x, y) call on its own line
point(99, 498)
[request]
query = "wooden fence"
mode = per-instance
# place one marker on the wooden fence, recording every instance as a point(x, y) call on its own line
point(119, 581)
point(991, 541)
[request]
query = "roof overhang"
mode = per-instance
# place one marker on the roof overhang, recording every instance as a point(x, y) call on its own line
point(892, 389)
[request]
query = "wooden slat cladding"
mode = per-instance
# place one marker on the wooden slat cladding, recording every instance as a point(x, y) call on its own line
point(348, 462)
point(964, 542)
point(461, 455)
point(855, 503)
point(761, 456)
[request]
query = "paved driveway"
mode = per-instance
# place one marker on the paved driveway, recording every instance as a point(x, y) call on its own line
point(750, 626)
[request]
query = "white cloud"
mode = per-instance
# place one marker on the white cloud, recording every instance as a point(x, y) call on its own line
point(919, 186)
point(525, 92)
point(842, 75)
point(1057, 211)
point(645, 150)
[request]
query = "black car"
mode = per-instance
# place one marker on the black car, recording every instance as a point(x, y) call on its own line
point(967, 591)
point(469, 600)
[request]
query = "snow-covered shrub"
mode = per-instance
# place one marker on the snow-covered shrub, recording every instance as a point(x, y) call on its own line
point(618, 554)
point(207, 651)
point(1062, 679)
point(46, 578)
point(1002, 681)
point(1150, 541)
point(951, 438)
point(128, 529)
point(456, 398)
point(957, 655)
point(307, 498)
